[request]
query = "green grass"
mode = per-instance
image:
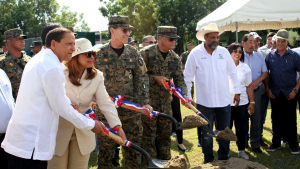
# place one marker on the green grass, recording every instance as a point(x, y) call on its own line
point(279, 159)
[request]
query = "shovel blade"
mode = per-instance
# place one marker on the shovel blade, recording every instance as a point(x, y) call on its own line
point(157, 163)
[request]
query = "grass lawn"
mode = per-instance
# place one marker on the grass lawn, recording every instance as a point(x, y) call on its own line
point(279, 159)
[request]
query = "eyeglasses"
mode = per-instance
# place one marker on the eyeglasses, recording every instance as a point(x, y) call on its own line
point(240, 51)
point(151, 42)
point(90, 54)
point(127, 30)
point(172, 39)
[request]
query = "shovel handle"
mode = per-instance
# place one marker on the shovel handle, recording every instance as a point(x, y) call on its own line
point(116, 137)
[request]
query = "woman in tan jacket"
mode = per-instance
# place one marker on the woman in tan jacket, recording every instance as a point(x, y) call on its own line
point(83, 82)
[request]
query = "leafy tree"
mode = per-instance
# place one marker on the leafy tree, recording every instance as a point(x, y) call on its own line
point(140, 13)
point(69, 19)
point(184, 14)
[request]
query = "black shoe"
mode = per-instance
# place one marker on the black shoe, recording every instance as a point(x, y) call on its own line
point(186, 150)
point(257, 150)
point(294, 151)
point(115, 162)
point(199, 145)
point(272, 148)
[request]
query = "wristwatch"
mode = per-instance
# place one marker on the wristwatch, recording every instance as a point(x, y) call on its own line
point(296, 91)
point(253, 102)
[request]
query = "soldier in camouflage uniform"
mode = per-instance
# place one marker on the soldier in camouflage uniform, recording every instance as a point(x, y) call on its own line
point(124, 73)
point(14, 61)
point(162, 63)
point(184, 55)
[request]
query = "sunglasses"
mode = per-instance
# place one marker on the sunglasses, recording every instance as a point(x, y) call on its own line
point(90, 54)
point(173, 39)
point(240, 51)
point(151, 42)
point(127, 30)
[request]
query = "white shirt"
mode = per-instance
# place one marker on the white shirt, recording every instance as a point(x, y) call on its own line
point(245, 78)
point(41, 100)
point(211, 76)
point(7, 102)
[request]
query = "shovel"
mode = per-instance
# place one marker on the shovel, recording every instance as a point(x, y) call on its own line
point(178, 94)
point(132, 106)
point(114, 135)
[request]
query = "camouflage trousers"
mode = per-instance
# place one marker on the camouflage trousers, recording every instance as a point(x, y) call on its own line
point(132, 126)
point(157, 134)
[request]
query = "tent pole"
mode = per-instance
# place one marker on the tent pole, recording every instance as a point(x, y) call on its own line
point(236, 32)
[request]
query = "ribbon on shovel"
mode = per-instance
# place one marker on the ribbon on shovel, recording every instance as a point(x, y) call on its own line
point(119, 102)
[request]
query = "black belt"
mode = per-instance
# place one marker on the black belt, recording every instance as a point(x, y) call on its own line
point(256, 89)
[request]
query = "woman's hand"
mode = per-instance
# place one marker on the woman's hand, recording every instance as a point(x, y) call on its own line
point(251, 109)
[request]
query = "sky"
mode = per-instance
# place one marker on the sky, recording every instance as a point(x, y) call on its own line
point(89, 8)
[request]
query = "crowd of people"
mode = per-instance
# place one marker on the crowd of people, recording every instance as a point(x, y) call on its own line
point(43, 98)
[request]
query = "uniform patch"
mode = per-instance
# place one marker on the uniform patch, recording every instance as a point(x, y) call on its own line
point(140, 61)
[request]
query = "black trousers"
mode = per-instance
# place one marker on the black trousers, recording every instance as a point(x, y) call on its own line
point(284, 120)
point(177, 115)
point(21, 163)
point(3, 154)
point(239, 116)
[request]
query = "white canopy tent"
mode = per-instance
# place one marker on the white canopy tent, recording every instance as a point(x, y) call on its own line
point(239, 15)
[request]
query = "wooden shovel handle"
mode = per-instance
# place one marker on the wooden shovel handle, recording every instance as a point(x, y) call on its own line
point(116, 137)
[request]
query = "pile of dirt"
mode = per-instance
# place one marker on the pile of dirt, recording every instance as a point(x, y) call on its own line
point(227, 135)
point(192, 121)
point(232, 163)
point(178, 162)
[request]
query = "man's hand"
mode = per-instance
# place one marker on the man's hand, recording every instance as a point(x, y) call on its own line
point(251, 107)
point(98, 128)
point(292, 95)
point(160, 81)
point(187, 102)
point(122, 135)
point(270, 94)
point(145, 112)
point(253, 85)
point(236, 99)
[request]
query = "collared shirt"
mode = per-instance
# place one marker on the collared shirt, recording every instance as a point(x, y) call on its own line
point(6, 101)
point(245, 78)
point(257, 64)
point(41, 100)
point(283, 71)
point(211, 76)
point(262, 50)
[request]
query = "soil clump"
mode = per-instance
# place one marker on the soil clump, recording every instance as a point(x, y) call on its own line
point(232, 163)
point(192, 121)
point(227, 135)
point(178, 162)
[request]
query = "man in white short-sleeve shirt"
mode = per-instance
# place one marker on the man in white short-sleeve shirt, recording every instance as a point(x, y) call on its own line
point(211, 65)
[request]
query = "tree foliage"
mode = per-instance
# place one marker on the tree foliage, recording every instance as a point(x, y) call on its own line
point(146, 15)
point(140, 13)
point(184, 14)
point(32, 15)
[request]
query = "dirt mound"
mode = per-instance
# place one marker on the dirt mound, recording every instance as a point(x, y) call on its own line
point(192, 121)
point(232, 163)
point(227, 135)
point(178, 162)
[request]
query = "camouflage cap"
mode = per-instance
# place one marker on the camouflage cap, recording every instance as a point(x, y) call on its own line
point(14, 33)
point(120, 21)
point(189, 43)
point(169, 31)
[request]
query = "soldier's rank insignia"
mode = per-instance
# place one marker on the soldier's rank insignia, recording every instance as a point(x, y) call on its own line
point(140, 62)
point(130, 76)
point(11, 64)
point(105, 60)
